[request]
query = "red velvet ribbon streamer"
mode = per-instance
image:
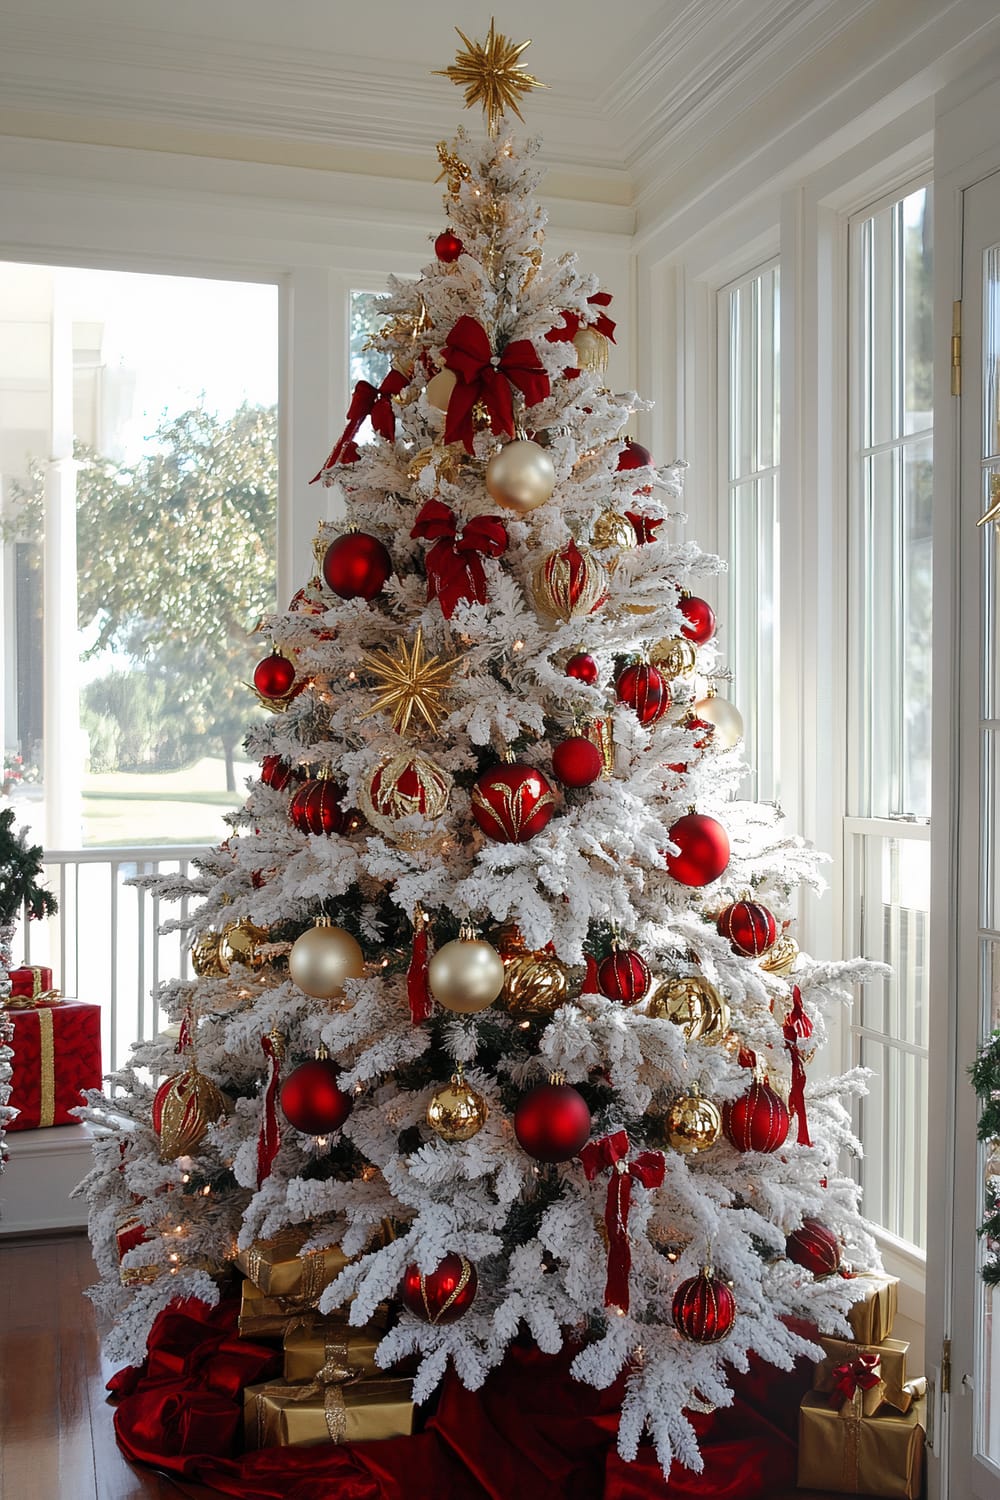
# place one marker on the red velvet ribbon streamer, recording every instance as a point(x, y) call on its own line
point(367, 401)
point(417, 989)
point(590, 985)
point(645, 527)
point(486, 377)
point(455, 572)
point(862, 1375)
point(798, 1027)
point(184, 1037)
point(567, 331)
point(648, 1168)
point(270, 1132)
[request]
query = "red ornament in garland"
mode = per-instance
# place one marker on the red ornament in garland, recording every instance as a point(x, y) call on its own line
point(750, 927)
point(552, 1122)
point(814, 1247)
point(583, 667)
point(277, 773)
point(312, 1100)
point(356, 566)
point(757, 1120)
point(442, 1295)
point(448, 247)
point(274, 675)
point(704, 1308)
point(633, 456)
point(699, 617)
point(645, 689)
point(704, 849)
point(577, 761)
point(624, 976)
point(315, 807)
point(511, 803)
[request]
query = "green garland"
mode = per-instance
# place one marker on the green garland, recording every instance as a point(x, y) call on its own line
point(985, 1075)
point(20, 867)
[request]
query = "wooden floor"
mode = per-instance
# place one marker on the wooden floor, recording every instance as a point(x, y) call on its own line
point(56, 1437)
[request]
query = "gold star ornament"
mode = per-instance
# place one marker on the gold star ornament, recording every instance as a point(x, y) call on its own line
point(408, 682)
point(491, 75)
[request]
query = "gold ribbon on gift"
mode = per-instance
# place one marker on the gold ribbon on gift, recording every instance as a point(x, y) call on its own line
point(845, 1452)
point(281, 1415)
point(892, 1360)
point(852, 1414)
point(272, 1317)
point(47, 1060)
point(331, 1351)
point(278, 1267)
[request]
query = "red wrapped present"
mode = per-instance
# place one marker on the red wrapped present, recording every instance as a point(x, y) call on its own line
point(57, 1053)
point(31, 984)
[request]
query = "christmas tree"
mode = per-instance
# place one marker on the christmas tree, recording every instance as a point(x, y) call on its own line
point(495, 984)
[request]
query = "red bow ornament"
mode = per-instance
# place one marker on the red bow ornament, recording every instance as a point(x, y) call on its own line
point(648, 1168)
point(864, 1376)
point(798, 1028)
point(487, 377)
point(567, 331)
point(455, 572)
point(645, 527)
point(269, 1137)
point(368, 401)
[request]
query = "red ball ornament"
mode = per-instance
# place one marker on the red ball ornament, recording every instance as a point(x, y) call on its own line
point(704, 850)
point(273, 675)
point(700, 619)
point(511, 803)
point(443, 1295)
point(704, 1308)
point(356, 566)
point(633, 456)
point(315, 807)
point(624, 975)
point(644, 688)
point(278, 773)
point(448, 247)
point(552, 1122)
point(757, 1120)
point(577, 761)
point(583, 667)
point(815, 1247)
point(750, 927)
point(312, 1100)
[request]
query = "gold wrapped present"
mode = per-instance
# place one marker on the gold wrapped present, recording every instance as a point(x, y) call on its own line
point(277, 1415)
point(892, 1358)
point(330, 1351)
point(871, 1319)
point(849, 1454)
point(276, 1267)
point(263, 1317)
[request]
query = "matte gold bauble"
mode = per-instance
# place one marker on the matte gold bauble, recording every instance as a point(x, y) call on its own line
point(535, 983)
point(323, 959)
point(724, 716)
point(520, 476)
point(674, 656)
point(238, 944)
point(456, 1112)
point(613, 530)
point(206, 960)
point(183, 1109)
point(591, 349)
point(440, 387)
point(466, 975)
point(693, 1123)
point(780, 958)
point(693, 1004)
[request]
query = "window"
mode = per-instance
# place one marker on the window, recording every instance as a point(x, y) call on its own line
point(749, 355)
point(887, 843)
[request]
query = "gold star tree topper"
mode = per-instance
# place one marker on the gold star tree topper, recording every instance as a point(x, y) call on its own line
point(491, 75)
point(408, 683)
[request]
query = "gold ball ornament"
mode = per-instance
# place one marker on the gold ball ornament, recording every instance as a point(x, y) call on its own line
point(569, 582)
point(238, 944)
point(693, 1123)
point(520, 476)
point(724, 716)
point(466, 975)
point(591, 349)
point(439, 388)
point(206, 960)
point(693, 1004)
point(674, 656)
point(535, 983)
point(456, 1111)
point(323, 959)
point(183, 1109)
point(613, 530)
point(780, 957)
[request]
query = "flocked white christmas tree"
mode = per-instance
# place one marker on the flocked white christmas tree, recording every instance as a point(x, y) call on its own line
point(494, 874)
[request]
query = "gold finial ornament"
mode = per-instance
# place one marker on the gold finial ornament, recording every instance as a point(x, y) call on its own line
point(408, 683)
point(491, 75)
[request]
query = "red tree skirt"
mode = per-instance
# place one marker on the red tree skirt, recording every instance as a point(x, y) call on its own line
point(531, 1432)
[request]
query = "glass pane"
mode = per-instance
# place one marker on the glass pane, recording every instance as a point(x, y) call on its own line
point(754, 637)
point(918, 312)
point(882, 374)
point(744, 307)
point(991, 352)
point(163, 390)
point(366, 319)
point(915, 578)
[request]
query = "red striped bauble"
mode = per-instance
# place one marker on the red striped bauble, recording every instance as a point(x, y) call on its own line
point(750, 927)
point(278, 773)
point(315, 807)
point(645, 689)
point(624, 975)
point(757, 1120)
point(704, 1308)
point(814, 1247)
